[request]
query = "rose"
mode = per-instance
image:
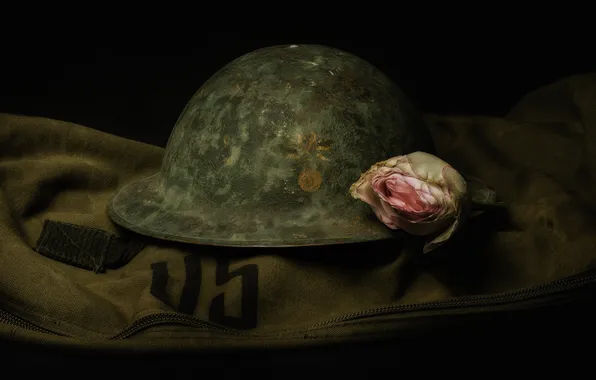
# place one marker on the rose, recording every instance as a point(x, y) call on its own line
point(418, 193)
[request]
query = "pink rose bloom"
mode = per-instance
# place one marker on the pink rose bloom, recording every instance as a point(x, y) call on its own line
point(418, 193)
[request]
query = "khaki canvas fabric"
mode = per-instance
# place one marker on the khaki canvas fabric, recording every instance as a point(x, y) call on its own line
point(540, 158)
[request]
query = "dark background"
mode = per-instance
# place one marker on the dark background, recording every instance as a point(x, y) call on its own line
point(138, 91)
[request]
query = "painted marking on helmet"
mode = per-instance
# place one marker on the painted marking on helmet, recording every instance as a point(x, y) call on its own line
point(321, 157)
point(322, 148)
point(234, 156)
point(293, 46)
point(310, 180)
point(309, 145)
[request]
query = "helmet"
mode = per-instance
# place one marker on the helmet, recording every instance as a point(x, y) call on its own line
point(265, 152)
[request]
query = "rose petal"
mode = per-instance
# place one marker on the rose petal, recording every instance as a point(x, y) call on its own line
point(409, 201)
point(387, 215)
point(394, 161)
point(363, 190)
point(387, 209)
point(454, 182)
point(441, 238)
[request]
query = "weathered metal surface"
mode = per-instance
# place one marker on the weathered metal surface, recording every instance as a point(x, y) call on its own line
point(266, 150)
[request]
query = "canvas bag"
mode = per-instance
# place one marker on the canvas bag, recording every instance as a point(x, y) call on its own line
point(69, 276)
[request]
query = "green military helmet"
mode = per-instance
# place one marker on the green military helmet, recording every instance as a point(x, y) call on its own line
point(266, 150)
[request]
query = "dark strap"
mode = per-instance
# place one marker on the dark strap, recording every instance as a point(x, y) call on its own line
point(85, 247)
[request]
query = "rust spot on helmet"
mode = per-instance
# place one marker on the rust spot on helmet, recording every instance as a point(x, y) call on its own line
point(310, 180)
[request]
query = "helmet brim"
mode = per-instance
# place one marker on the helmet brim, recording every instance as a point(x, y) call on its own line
point(143, 208)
